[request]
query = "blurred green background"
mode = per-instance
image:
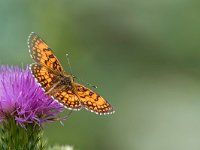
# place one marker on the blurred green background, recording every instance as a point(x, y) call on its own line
point(144, 55)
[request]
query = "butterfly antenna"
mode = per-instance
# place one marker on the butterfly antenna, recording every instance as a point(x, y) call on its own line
point(68, 61)
point(94, 86)
point(70, 68)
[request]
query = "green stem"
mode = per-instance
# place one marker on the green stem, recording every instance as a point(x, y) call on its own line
point(15, 137)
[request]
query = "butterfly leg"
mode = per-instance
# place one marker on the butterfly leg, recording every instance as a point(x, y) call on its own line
point(50, 91)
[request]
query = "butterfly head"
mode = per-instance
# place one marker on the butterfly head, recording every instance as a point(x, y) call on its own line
point(73, 77)
point(66, 79)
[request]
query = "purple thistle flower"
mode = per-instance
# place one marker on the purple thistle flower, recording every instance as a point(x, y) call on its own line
point(22, 98)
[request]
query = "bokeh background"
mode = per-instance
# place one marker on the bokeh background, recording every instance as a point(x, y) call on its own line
point(144, 55)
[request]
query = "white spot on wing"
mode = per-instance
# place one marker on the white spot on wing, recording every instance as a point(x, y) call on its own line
point(74, 109)
point(104, 113)
point(29, 42)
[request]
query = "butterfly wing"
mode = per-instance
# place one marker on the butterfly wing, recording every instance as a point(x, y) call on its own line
point(42, 54)
point(67, 98)
point(92, 101)
point(45, 77)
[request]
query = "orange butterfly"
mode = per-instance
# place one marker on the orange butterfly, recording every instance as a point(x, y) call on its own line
point(60, 85)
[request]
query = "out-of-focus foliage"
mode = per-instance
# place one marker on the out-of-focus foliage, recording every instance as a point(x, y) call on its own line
point(144, 55)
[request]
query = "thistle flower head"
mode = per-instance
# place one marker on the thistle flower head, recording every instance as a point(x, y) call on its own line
point(22, 98)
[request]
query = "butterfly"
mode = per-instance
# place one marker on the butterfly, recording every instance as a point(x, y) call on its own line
point(60, 85)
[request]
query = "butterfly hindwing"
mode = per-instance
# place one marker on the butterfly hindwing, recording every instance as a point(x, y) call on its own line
point(67, 98)
point(45, 77)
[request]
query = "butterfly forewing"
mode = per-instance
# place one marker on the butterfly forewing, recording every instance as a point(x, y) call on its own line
point(42, 54)
point(92, 101)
